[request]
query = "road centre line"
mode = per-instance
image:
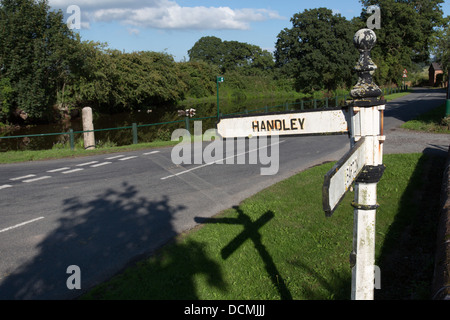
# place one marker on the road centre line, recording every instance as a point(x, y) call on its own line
point(5, 186)
point(149, 153)
point(24, 177)
point(72, 171)
point(21, 224)
point(57, 170)
point(86, 164)
point(115, 157)
point(100, 164)
point(36, 179)
point(220, 160)
point(127, 158)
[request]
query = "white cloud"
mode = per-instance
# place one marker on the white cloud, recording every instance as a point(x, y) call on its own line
point(133, 31)
point(167, 14)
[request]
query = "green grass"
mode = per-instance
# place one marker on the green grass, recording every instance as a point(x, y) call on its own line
point(278, 244)
point(394, 96)
point(433, 121)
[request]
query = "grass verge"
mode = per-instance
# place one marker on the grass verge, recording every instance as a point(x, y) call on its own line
point(433, 121)
point(24, 156)
point(278, 244)
point(394, 96)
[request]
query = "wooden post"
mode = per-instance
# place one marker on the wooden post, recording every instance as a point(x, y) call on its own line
point(88, 125)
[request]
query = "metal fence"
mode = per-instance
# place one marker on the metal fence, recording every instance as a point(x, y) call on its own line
point(301, 105)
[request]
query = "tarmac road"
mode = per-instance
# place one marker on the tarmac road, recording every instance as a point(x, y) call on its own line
point(103, 212)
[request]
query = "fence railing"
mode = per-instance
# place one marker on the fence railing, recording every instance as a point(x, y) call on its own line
point(301, 105)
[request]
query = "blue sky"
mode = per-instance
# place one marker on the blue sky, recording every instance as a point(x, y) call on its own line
point(173, 26)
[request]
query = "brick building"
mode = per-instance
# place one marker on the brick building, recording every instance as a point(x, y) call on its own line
point(433, 72)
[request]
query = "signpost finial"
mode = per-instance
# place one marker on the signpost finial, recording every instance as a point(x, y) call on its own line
point(365, 90)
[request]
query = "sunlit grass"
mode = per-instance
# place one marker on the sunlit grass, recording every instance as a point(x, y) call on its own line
point(278, 244)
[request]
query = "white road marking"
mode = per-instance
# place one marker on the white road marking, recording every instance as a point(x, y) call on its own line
point(36, 179)
point(5, 186)
point(220, 160)
point(86, 164)
point(57, 170)
point(127, 158)
point(72, 171)
point(24, 177)
point(100, 164)
point(115, 157)
point(21, 224)
point(148, 153)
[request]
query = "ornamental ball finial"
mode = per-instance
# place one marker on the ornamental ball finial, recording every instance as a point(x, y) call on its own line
point(365, 39)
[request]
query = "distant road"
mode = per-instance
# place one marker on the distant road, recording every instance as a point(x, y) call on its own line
point(102, 212)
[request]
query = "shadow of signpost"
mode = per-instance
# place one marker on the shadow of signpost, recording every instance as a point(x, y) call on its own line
point(251, 232)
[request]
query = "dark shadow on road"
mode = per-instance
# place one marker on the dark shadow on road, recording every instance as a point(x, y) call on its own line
point(406, 259)
point(102, 235)
point(251, 232)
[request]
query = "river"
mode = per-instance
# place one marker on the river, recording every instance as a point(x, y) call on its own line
point(141, 117)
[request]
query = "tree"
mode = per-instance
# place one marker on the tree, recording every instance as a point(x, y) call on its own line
point(231, 55)
point(35, 47)
point(208, 49)
point(318, 50)
point(407, 29)
point(441, 45)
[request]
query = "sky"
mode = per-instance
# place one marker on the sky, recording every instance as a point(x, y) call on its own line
point(174, 26)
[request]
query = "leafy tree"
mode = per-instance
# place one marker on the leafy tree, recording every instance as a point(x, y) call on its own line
point(318, 50)
point(95, 79)
point(35, 47)
point(200, 78)
point(208, 49)
point(231, 55)
point(148, 78)
point(407, 29)
point(111, 81)
point(441, 45)
point(6, 94)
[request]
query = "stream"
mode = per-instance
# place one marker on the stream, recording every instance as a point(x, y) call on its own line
point(124, 136)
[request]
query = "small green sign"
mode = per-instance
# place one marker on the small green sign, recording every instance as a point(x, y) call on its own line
point(220, 79)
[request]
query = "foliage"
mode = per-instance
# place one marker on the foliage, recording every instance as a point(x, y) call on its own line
point(34, 54)
point(200, 78)
point(318, 50)
point(113, 81)
point(441, 45)
point(407, 29)
point(231, 55)
point(47, 68)
point(6, 95)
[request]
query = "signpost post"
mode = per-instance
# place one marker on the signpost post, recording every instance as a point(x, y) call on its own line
point(367, 124)
point(363, 164)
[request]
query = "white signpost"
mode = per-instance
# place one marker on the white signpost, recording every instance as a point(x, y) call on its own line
point(339, 179)
point(363, 164)
point(293, 123)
